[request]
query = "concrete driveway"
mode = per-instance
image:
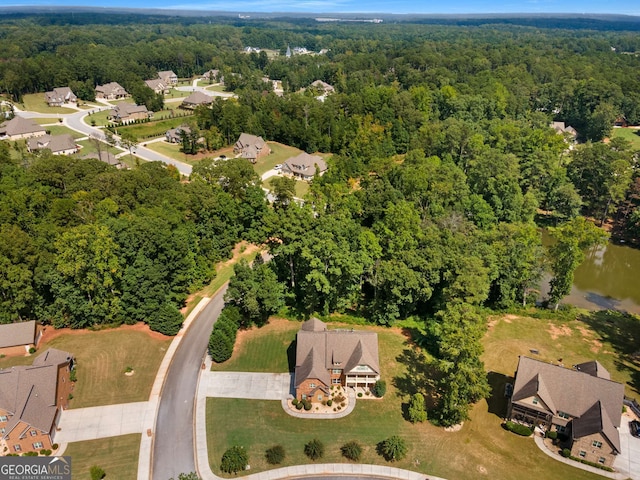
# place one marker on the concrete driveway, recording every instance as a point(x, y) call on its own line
point(256, 386)
point(79, 424)
point(628, 462)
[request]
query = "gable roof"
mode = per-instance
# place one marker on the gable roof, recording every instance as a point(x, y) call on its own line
point(198, 98)
point(127, 109)
point(323, 86)
point(55, 143)
point(20, 333)
point(60, 95)
point(20, 126)
point(156, 84)
point(29, 392)
point(567, 390)
point(596, 420)
point(318, 350)
point(246, 139)
point(305, 164)
point(104, 156)
point(594, 368)
point(167, 75)
point(112, 88)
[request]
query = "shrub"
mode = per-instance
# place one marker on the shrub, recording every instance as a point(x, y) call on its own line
point(417, 409)
point(307, 405)
point(70, 397)
point(55, 446)
point(275, 455)
point(223, 335)
point(299, 405)
point(96, 472)
point(339, 398)
point(380, 388)
point(46, 452)
point(359, 394)
point(234, 460)
point(314, 449)
point(168, 320)
point(32, 350)
point(294, 402)
point(30, 454)
point(351, 450)
point(553, 435)
point(73, 376)
point(393, 448)
point(329, 403)
point(566, 453)
point(518, 429)
point(591, 464)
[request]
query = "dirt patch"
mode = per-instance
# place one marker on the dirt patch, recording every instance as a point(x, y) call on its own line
point(482, 470)
point(596, 345)
point(49, 333)
point(242, 248)
point(509, 318)
point(456, 428)
point(561, 331)
point(584, 331)
point(492, 323)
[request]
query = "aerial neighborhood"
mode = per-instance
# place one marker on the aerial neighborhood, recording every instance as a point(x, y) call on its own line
point(320, 246)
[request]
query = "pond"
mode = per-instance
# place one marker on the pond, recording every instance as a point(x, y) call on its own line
point(609, 278)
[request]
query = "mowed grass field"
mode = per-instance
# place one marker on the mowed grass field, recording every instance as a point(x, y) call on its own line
point(481, 449)
point(631, 134)
point(102, 358)
point(117, 456)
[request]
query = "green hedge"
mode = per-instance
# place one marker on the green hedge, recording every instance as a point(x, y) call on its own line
point(591, 464)
point(518, 429)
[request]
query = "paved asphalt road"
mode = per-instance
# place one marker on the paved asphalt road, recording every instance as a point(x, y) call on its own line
point(173, 451)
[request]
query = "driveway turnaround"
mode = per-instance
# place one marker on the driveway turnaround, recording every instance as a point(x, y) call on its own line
point(256, 386)
point(80, 424)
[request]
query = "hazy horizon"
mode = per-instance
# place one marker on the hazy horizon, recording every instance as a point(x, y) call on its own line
point(577, 7)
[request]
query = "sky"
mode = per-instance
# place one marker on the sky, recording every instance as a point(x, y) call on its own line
point(370, 6)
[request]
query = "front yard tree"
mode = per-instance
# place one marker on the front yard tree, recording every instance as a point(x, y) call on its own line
point(567, 253)
point(284, 189)
point(393, 448)
point(314, 449)
point(275, 455)
point(234, 460)
point(167, 320)
point(351, 450)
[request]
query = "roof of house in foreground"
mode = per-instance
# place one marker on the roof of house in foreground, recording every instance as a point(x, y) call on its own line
point(19, 333)
point(319, 350)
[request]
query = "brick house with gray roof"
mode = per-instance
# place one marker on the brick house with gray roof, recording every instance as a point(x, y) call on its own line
point(251, 147)
point(59, 96)
point(325, 357)
point(581, 402)
point(31, 399)
point(18, 128)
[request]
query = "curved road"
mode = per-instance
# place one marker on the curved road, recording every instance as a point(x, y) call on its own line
point(173, 451)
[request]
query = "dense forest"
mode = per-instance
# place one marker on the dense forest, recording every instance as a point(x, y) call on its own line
point(443, 168)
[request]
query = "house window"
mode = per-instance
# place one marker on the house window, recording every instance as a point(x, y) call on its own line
point(582, 453)
point(38, 445)
point(17, 448)
point(33, 433)
point(596, 444)
point(601, 460)
point(2, 430)
point(563, 414)
point(320, 398)
point(304, 396)
point(3, 418)
point(535, 400)
point(335, 381)
point(560, 429)
point(336, 371)
point(312, 385)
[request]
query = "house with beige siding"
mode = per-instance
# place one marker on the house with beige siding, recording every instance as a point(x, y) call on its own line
point(31, 401)
point(326, 358)
point(60, 96)
point(58, 144)
point(127, 112)
point(111, 91)
point(251, 147)
point(304, 166)
point(581, 402)
point(18, 128)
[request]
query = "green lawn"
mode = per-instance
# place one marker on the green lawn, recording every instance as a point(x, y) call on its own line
point(156, 128)
point(89, 147)
point(44, 121)
point(102, 357)
point(631, 134)
point(117, 456)
point(61, 130)
point(482, 448)
point(171, 150)
point(279, 153)
point(100, 118)
point(34, 102)
point(173, 93)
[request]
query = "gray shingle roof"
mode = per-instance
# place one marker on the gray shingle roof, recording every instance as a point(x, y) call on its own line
point(571, 391)
point(596, 420)
point(20, 126)
point(318, 350)
point(305, 164)
point(20, 333)
point(28, 393)
point(594, 368)
point(246, 139)
point(55, 143)
point(198, 98)
point(112, 88)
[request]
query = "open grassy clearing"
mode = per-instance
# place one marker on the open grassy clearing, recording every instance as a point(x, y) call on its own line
point(214, 87)
point(89, 146)
point(45, 121)
point(173, 93)
point(302, 187)
point(118, 457)
point(630, 134)
point(480, 449)
point(102, 357)
point(61, 130)
point(155, 128)
point(34, 102)
point(279, 153)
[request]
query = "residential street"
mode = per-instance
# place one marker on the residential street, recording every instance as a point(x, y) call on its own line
point(173, 451)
